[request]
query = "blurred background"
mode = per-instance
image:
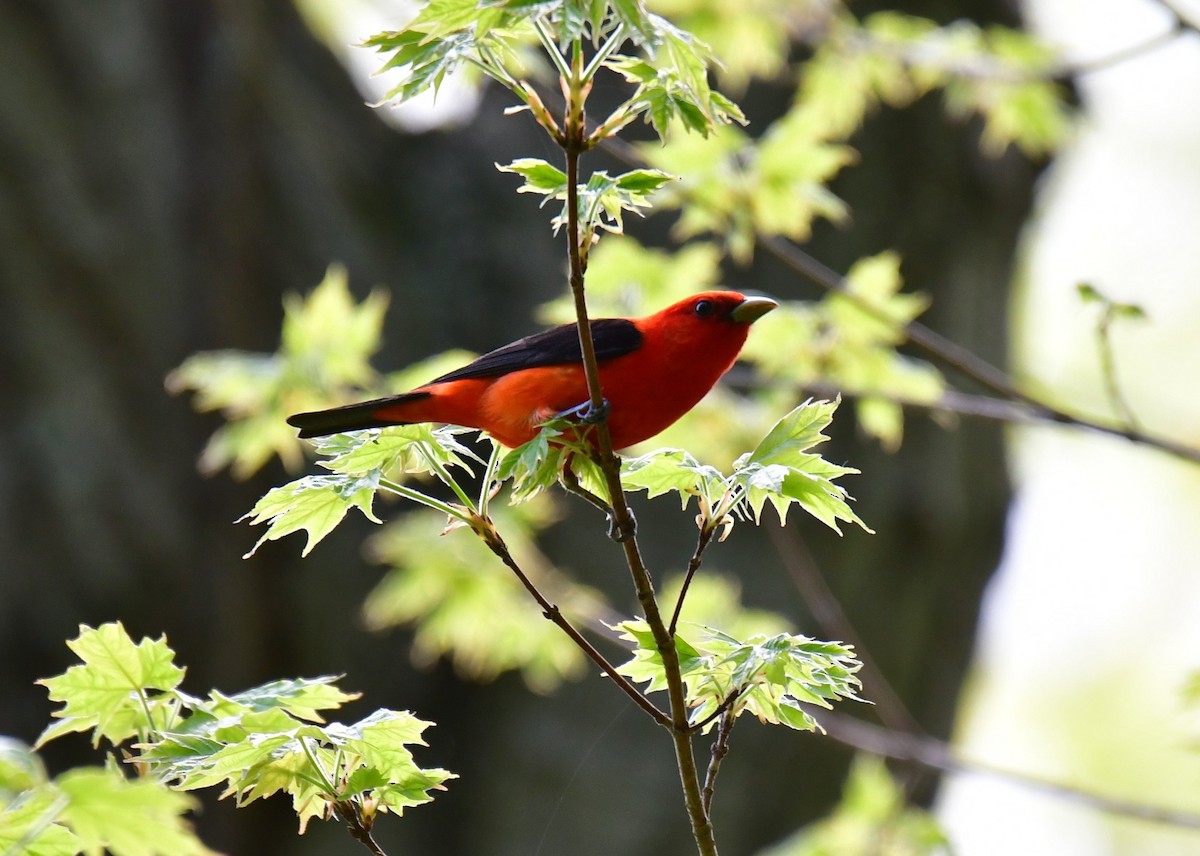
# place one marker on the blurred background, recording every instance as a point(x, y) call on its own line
point(168, 172)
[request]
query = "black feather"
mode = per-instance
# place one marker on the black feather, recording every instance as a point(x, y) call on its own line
point(351, 417)
point(613, 337)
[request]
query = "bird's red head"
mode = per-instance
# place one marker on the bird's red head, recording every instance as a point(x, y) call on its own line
point(710, 317)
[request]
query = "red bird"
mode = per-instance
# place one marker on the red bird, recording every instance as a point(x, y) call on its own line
point(652, 371)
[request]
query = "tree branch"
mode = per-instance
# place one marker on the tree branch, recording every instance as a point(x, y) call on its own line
point(965, 362)
point(939, 755)
point(496, 544)
point(622, 520)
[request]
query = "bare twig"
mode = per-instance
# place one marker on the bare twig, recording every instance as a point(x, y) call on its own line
point(702, 541)
point(496, 544)
point(349, 814)
point(1108, 368)
point(720, 748)
point(965, 362)
point(939, 755)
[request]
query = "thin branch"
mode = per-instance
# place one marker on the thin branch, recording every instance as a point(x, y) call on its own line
point(496, 544)
point(1108, 369)
point(348, 812)
point(702, 541)
point(939, 755)
point(938, 347)
point(1125, 54)
point(965, 362)
point(720, 748)
point(724, 706)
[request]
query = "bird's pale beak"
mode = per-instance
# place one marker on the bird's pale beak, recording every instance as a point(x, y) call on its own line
point(751, 309)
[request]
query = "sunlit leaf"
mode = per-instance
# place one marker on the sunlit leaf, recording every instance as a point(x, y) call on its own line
point(126, 817)
point(315, 504)
point(107, 692)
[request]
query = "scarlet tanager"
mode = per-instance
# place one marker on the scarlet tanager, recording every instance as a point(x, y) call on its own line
point(652, 371)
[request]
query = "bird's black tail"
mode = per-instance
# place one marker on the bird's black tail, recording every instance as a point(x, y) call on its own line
point(352, 417)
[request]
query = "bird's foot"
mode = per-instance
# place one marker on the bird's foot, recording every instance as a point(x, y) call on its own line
point(621, 534)
point(587, 414)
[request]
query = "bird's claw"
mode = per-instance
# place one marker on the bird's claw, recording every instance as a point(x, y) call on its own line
point(587, 414)
point(622, 534)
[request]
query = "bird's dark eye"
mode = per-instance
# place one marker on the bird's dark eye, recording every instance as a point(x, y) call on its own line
point(704, 308)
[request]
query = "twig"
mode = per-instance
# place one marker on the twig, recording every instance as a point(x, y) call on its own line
point(1108, 368)
point(720, 748)
point(348, 812)
point(829, 614)
point(960, 359)
point(939, 755)
point(702, 541)
point(496, 544)
point(724, 706)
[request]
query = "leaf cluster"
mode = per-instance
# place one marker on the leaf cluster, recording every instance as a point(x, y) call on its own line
point(780, 470)
point(262, 741)
point(771, 677)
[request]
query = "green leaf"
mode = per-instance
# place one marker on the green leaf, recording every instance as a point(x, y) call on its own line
point(540, 177)
point(127, 818)
point(300, 697)
point(532, 467)
point(396, 452)
point(315, 504)
point(107, 692)
point(327, 340)
point(20, 769)
point(672, 471)
point(31, 825)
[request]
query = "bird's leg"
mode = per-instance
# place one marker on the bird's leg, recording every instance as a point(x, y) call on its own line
point(570, 481)
point(585, 413)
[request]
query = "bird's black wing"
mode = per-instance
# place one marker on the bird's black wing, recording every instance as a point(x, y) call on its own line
point(613, 337)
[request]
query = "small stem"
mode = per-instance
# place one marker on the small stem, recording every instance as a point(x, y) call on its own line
point(606, 49)
point(1108, 368)
point(702, 540)
point(489, 474)
point(720, 749)
point(324, 780)
point(455, 511)
point(547, 39)
point(496, 544)
point(444, 476)
point(724, 706)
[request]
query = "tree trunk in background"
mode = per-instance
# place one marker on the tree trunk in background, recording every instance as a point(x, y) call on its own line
point(167, 172)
